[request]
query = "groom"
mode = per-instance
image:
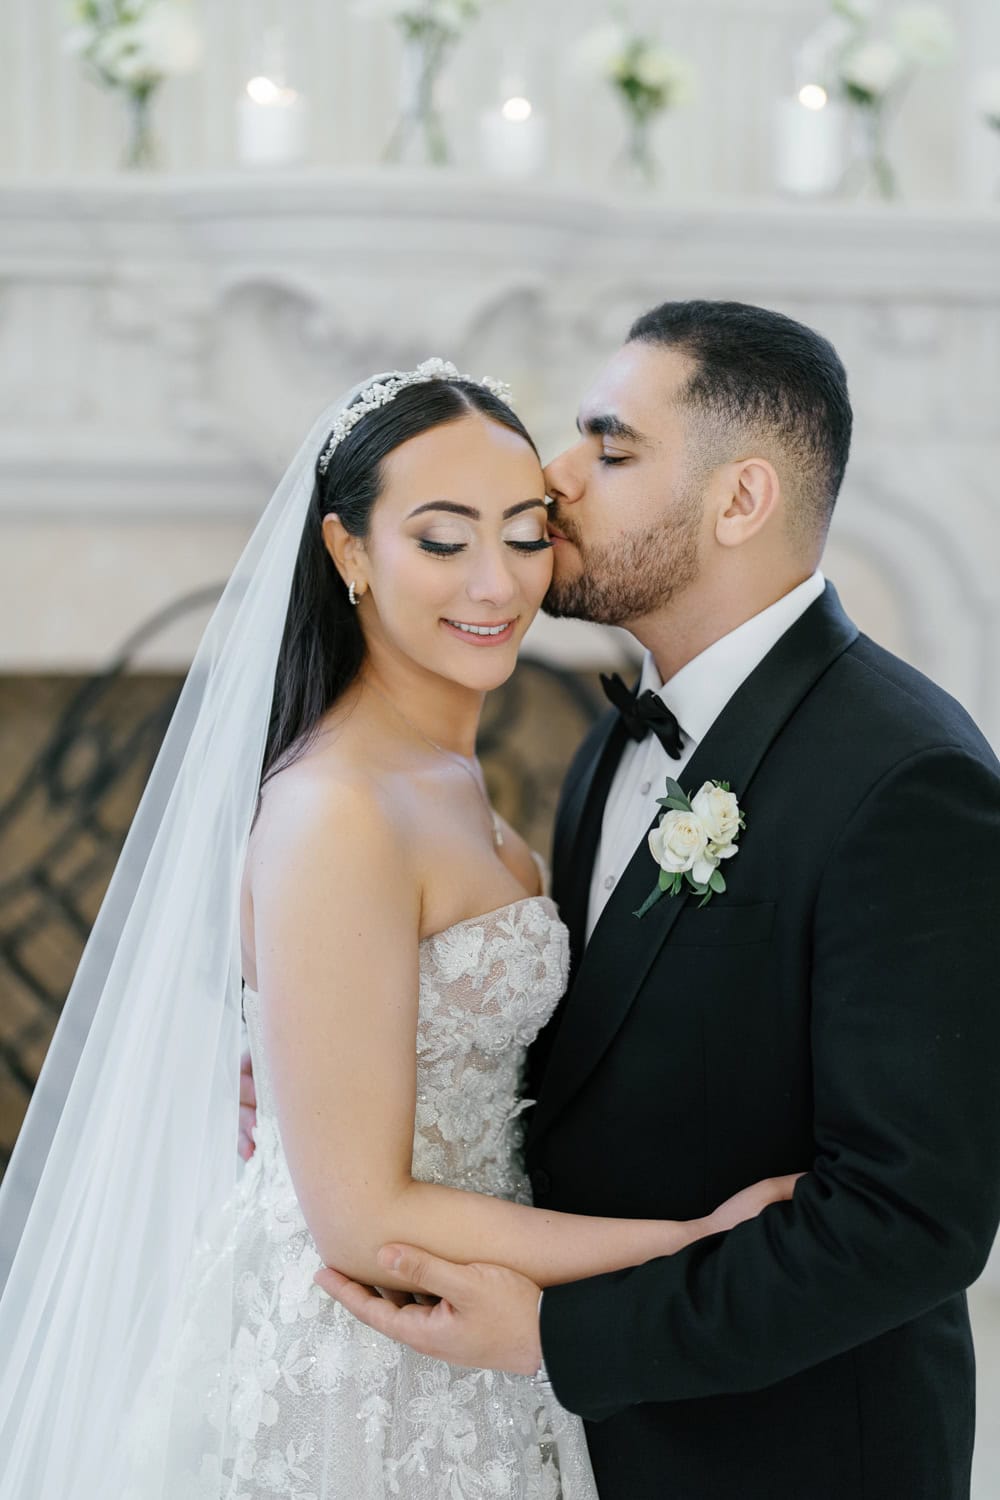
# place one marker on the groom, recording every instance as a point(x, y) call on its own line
point(833, 1010)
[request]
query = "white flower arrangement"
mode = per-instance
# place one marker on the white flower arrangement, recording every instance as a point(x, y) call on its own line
point(135, 44)
point(691, 840)
point(131, 46)
point(647, 77)
point(988, 97)
point(869, 70)
point(872, 67)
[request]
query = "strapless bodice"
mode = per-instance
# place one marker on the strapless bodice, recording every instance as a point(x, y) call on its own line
point(487, 985)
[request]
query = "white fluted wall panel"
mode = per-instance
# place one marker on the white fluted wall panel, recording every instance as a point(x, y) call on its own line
point(54, 121)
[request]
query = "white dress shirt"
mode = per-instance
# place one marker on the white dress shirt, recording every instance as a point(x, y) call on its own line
point(696, 694)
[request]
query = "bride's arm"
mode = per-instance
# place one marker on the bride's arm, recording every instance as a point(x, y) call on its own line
point(336, 909)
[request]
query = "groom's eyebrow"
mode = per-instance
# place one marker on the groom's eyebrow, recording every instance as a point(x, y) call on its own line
point(455, 509)
point(606, 424)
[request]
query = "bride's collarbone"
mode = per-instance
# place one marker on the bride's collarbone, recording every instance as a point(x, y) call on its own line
point(462, 872)
point(469, 878)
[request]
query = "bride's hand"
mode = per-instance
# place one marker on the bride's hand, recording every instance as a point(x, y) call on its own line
point(747, 1204)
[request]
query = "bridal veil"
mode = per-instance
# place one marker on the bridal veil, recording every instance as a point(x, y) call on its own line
point(130, 1139)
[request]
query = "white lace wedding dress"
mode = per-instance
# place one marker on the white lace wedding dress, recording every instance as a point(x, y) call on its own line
point(316, 1406)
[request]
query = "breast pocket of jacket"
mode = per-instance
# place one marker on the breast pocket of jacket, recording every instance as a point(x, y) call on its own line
point(719, 925)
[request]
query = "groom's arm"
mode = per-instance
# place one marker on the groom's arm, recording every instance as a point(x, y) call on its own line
point(902, 1204)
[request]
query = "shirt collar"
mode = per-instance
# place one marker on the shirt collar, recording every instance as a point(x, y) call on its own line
point(699, 692)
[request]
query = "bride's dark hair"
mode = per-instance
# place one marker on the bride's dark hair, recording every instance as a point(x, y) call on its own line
point(323, 645)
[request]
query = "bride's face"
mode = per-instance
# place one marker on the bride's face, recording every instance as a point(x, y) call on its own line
point(457, 539)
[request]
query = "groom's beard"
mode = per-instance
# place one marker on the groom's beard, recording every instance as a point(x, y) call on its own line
point(633, 576)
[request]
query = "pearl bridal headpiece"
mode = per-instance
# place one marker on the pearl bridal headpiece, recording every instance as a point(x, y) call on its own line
point(388, 387)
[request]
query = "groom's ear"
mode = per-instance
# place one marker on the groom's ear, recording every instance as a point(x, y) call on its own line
point(347, 551)
point(750, 498)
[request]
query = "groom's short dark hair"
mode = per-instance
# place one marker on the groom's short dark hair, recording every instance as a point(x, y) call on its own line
point(759, 372)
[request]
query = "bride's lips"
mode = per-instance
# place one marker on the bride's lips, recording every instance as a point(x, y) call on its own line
point(470, 639)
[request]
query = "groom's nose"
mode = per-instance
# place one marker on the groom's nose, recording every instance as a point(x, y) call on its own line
point(563, 479)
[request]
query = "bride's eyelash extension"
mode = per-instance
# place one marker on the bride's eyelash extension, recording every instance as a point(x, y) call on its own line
point(605, 458)
point(449, 549)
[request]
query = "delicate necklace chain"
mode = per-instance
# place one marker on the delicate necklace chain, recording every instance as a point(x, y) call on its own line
point(451, 755)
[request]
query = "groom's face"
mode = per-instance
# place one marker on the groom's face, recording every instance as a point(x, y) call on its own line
point(628, 511)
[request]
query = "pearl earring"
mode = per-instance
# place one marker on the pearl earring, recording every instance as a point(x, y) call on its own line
point(351, 594)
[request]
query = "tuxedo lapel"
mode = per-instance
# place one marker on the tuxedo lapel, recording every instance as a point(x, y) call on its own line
point(582, 820)
point(622, 947)
point(577, 831)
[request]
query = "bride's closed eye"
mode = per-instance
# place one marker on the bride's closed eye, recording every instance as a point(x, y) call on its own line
point(450, 549)
point(446, 549)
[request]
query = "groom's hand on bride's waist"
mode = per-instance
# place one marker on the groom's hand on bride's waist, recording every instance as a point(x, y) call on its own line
point(487, 1316)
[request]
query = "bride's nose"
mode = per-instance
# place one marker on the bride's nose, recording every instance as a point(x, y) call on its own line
point(490, 579)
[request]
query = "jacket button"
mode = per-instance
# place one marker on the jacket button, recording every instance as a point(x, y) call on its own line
point(541, 1183)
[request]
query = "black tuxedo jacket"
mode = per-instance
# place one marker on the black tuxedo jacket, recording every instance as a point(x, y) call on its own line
point(836, 1011)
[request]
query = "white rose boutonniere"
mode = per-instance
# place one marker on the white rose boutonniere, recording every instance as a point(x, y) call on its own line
point(692, 839)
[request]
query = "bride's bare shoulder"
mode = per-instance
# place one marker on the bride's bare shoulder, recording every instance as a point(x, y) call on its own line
point(327, 832)
point(329, 794)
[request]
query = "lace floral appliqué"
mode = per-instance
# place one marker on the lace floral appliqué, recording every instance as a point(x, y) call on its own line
point(314, 1405)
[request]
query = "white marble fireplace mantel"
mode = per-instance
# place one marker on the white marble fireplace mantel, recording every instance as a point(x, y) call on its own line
point(164, 342)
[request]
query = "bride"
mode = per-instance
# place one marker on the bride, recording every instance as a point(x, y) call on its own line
point(316, 841)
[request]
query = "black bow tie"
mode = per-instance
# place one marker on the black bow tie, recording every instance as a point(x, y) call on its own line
point(645, 713)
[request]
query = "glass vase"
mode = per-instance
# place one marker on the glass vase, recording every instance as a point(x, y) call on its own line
point(141, 149)
point(638, 168)
point(871, 173)
point(418, 138)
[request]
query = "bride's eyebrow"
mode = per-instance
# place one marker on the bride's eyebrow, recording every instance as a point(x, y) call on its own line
point(468, 510)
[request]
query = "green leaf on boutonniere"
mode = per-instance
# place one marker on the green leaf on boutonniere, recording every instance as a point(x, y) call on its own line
point(718, 882)
point(675, 803)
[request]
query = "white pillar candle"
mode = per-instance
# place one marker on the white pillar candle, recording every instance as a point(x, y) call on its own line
point(513, 139)
point(809, 136)
point(271, 125)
